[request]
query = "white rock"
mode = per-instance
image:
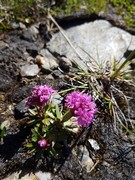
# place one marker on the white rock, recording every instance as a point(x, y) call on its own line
point(15, 176)
point(100, 39)
point(85, 160)
point(56, 98)
point(43, 175)
point(94, 144)
point(29, 70)
point(22, 26)
point(30, 176)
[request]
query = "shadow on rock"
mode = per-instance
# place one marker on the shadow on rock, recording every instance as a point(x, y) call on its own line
point(12, 143)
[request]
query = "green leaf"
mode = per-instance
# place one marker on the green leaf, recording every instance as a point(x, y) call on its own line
point(52, 152)
point(46, 121)
point(58, 113)
point(35, 134)
point(34, 139)
point(32, 112)
point(68, 123)
point(29, 145)
point(3, 132)
point(36, 129)
point(50, 114)
point(67, 116)
point(31, 121)
point(117, 71)
point(33, 150)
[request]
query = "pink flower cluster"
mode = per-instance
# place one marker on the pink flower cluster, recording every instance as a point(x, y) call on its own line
point(82, 106)
point(40, 95)
point(43, 143)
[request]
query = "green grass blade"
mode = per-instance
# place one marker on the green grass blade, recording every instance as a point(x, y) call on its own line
point(123, 64)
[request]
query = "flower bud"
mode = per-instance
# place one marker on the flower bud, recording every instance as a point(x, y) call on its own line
point(42, 143)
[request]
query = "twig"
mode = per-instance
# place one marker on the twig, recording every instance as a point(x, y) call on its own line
point(93, 167)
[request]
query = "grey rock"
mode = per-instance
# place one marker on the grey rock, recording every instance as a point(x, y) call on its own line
point(22, 26)
point(29, 70)
point(34, 48)
point(99, 39)
point(49, 65)
point(6, 82)
point(3, 45)
point(21, 93)
point(21, 108)
point(49, 77)
point(47, 60)
point(106, 164)
point(57, 74)
point(30, 34)
point(85, 160)
point(29, 59)
point(65, 64)
point(15, 25)
point(45, 53)
point(34, 30)
point(31, 47)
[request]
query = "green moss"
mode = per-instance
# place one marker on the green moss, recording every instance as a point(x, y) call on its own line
point(25, 11)
point(74, 6)
point(126, 9)
point(29, 10)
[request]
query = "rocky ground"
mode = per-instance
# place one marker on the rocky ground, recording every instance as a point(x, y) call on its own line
point(27, 58)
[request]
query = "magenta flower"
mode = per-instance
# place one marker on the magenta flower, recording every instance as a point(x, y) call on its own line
point(42, 143)
point(82, 106)
point(40, 96)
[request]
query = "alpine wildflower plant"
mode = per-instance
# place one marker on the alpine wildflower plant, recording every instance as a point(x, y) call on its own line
point(51, 123)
